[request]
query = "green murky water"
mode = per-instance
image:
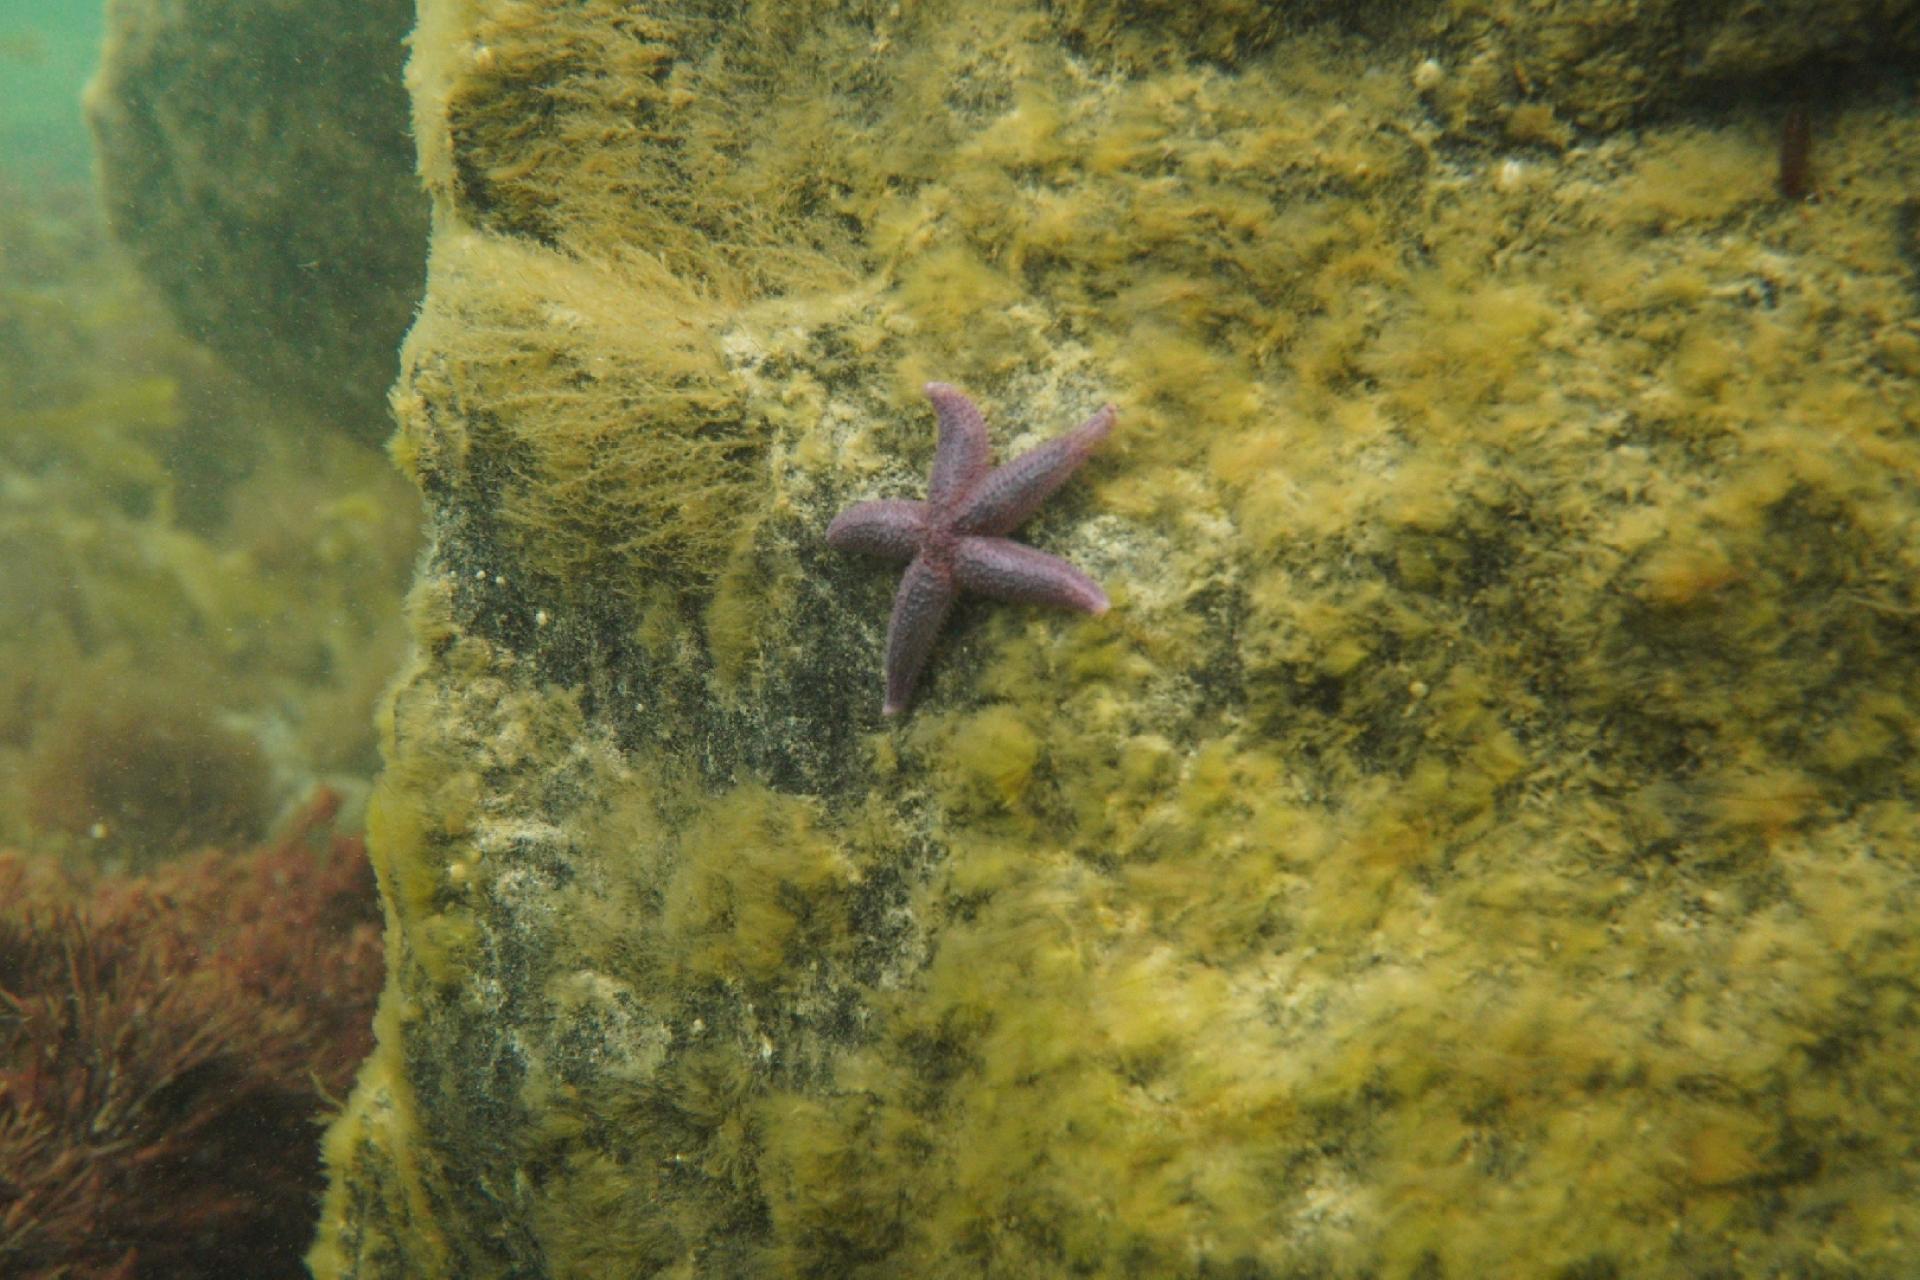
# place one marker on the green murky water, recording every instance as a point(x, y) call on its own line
point(47, 50)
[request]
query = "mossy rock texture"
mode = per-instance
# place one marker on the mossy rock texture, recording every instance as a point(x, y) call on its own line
point(1598, 64)
point(1480, 840)
point(253, 155)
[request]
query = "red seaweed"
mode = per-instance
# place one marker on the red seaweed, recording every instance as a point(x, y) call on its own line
point(167, 1043)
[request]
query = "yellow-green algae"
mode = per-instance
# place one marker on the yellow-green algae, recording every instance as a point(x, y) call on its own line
point(1479, 841)
point(1516, 65)
point(201, 586)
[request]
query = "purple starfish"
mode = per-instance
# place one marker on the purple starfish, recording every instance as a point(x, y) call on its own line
point(954, 540)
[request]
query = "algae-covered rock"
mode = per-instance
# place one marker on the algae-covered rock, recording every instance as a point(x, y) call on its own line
point(1479, 840)
point(254, 156)
point(1533, 67)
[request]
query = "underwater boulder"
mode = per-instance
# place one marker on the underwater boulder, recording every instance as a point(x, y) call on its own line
point(255, 160)
point(1479, 838)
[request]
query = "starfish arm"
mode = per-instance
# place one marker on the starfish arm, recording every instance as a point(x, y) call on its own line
point(920, 606)
point(1007, 570)
point(962, 454)
point(1010, 493)
point(890, 527)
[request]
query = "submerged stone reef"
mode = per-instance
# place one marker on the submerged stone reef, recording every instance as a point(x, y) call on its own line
point(1480, 839)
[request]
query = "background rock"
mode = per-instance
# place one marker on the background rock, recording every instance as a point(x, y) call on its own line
point(254, 157)
point(1480, 839)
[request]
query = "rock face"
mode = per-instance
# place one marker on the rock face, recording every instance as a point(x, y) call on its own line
point(255, 159)
point(1479, 840)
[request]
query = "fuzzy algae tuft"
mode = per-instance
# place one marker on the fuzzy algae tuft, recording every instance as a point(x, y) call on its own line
point(614, 444)
point(1479, 840)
